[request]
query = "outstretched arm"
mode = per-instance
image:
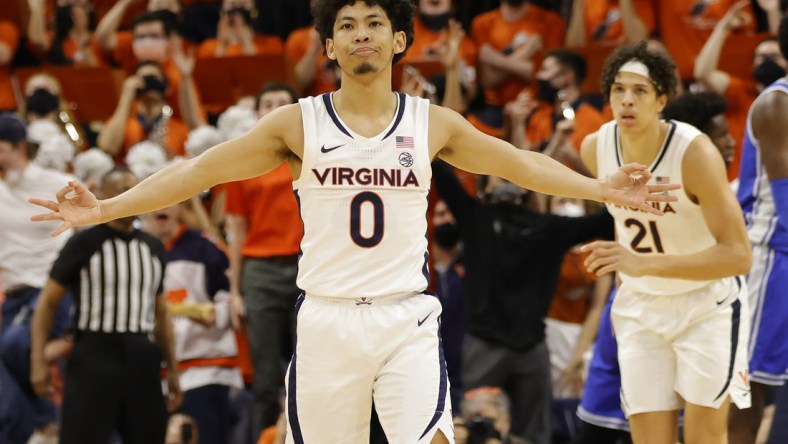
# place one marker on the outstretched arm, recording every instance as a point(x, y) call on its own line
point(455, 140)
point(707, 64)
point(255, 153)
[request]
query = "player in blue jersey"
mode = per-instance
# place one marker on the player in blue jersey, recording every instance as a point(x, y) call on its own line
point(763, 195)
point(361, 162)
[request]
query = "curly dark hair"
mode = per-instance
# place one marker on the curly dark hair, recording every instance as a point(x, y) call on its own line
point(661, 68)
point(696, 109)
point(399, 12)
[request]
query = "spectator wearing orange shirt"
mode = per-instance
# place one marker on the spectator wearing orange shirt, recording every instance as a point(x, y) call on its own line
point(610, 21)
point(264, 229)
point(235, 34)
point(558, 98)
point(153, 38)
point(9, 38)
point(768, 66)
point(143, 113)
point(71, 42)
point(685, 25)
point(314, 72)
point(509, 39)
point(431, 34)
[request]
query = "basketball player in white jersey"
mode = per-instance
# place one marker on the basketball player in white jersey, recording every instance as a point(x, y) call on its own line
point(361, 162)
point(680, 316)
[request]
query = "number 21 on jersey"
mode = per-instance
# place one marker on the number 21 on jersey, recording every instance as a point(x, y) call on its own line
point(647, 238)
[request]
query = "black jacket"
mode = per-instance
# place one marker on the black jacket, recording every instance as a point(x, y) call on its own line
point(513, 260)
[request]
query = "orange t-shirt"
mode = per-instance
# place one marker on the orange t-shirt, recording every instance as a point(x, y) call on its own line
point(740, 95)
point(490, 28)
point(425, 40)
point(685, 25)
point(540, 126)
point(265, 45)
point(71, 48)
point(268, 204)
point(174, 140)
point(573, 293)
point(9, 35)
point(296, 47)
point(603, 20)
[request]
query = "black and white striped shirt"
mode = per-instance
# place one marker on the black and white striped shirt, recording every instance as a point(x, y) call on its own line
point(115, 278)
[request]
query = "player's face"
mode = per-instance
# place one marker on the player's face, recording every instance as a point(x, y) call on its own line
point(364, 41)
point(721, 137)
point(634, 101)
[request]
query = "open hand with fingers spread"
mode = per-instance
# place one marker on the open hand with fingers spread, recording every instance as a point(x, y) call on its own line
point(628, 187)
point(76, 206)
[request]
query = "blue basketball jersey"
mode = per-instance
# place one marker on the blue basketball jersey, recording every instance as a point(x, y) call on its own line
point(755, 193)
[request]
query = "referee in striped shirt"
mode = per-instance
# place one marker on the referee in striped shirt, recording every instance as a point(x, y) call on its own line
point(113, 374)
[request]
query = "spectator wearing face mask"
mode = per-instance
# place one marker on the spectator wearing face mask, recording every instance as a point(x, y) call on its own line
point(559, 108)
point(235, 33)
point(513, 257)
point(768, 65)
point(143, 113)
point(431, 34)
point(154, 38)
point(71, 41)
point(509, 39)
point(44, 102)
point(9, 38)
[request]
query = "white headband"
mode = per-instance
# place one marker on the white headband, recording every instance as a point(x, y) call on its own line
point(635, 67)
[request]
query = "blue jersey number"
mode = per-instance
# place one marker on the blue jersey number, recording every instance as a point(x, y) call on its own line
point(355, 219)
point(643, 231)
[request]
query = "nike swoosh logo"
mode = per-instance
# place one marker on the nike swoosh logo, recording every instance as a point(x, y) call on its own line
point(720, 302)
point(323, 148)
point(425, 318)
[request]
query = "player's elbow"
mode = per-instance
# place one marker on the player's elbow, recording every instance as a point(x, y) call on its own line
point(741, 260)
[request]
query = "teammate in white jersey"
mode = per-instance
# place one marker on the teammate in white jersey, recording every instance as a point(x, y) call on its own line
point(681, 311)
point(360, 161)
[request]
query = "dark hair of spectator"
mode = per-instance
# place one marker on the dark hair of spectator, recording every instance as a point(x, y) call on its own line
point(156, 16)
point(696, 109)
point(782, 36)
point(399, 12)
point(570, 60)
point(272, 87)
point(157, 65)
point(661, 68)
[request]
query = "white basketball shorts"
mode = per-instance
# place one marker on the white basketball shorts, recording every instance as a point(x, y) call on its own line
point(351, 352)
point(685, 347)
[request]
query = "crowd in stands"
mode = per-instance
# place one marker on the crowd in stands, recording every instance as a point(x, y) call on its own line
point(109, 92)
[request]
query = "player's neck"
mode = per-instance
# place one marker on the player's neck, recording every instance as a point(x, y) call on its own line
point(642, 145)
point(371, 98)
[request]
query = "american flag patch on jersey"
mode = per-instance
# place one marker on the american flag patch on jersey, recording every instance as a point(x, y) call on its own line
point(404, 141)
point(663, 179)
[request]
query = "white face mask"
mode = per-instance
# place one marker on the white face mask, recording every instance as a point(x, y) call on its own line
point(570, 209)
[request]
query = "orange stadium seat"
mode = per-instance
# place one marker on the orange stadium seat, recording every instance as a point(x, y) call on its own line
point(92, 92)
point(222, 81)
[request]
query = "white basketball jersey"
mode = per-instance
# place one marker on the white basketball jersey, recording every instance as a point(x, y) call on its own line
point(681, 230)
point(363, 202)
